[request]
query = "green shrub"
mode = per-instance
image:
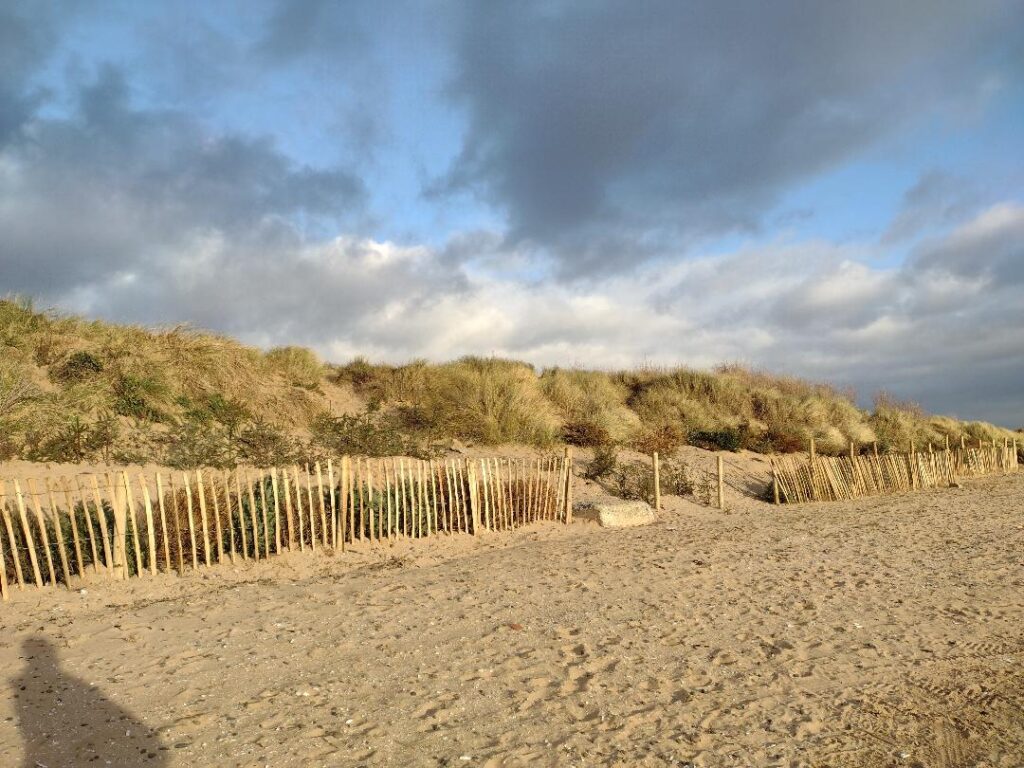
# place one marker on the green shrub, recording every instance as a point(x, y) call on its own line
point(603, 464)
point(79, 366)
point(365, 434)
point(139, 397)
point(675, 478)
point(192, 445)
point(718, 440)
point(634, 482)
point(264, 445)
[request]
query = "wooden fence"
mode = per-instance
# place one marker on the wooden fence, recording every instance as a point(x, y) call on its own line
point(131, 523)
point(834, 478)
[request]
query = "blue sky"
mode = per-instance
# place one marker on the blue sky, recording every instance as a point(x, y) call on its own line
point(599, 184)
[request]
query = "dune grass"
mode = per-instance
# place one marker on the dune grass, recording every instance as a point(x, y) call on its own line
point(74, 389)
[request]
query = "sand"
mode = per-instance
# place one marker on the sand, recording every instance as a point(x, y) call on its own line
point(879, 632)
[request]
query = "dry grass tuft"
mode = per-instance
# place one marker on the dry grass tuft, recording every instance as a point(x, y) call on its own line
point(77, 389)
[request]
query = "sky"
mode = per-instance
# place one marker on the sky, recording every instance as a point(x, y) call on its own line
point(829, 190)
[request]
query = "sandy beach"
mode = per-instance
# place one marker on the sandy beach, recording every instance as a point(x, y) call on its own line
point(880, 632)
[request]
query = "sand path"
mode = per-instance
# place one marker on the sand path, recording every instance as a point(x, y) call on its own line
point(879, 632)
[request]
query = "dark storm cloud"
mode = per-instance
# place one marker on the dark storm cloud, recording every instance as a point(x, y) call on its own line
point(112, 186)
point(592, 124)
point(27, 37)
point(936, 199)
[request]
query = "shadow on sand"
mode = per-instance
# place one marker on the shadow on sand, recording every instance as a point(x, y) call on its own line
point(66, 722)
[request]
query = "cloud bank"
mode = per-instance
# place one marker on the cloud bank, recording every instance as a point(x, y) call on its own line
point(623, 168)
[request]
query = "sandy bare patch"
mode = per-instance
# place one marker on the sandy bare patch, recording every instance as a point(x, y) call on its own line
point(880, 632)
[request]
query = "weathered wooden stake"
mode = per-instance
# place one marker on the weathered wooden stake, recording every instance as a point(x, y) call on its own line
point(568, 484)
point(163, 522)
point(10, 537)
point(657, 483)
point(58, 529)
point(74, 525)
point(41, 521)
point(203, 517)
point(191, 521)
point(101, 516)
point(721, 484)
point(150, 527)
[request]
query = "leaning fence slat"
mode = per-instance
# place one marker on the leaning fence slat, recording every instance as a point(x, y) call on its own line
point(30, 543)
point(163, 522)
point(87, 517)
point(59, 531)
point(129, 507)
point(101, 518)
point(79, 563)
point(207, 555)
point(150, 528)
point(37, 507)
point(10, 538)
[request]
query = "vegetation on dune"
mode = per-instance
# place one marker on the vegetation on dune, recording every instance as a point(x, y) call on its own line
point(73, 390)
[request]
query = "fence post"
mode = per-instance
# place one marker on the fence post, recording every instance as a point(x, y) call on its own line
point(721, 484)
point(775, 482)
point(568, 484)
point(657, 483)
point(874, 447)
point(814, 484)
point(852, 448)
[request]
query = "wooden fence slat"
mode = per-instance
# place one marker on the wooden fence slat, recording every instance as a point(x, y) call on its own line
point(30, 544)
point(101, 518)
point(225, 479)
point(218, 530)
point(191, 521)
point(298, 511)
point(207, 555)
point(176, 521)
point(241, 512)
point(252, 517)
point(10, 537)
point(150, 527)
point(163, 522)
point(277, 510)
point(265, 513)
point(312, 514)
point(87, 517)
point(37, 507)
point(59, 530)
point(79, 562)
point(334, 509)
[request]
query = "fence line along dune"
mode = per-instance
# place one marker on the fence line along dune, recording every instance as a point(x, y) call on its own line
point(130, 524)
point(835, 478)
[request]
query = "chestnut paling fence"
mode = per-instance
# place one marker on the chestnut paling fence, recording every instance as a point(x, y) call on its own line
point(835, 478)
point(131, 523)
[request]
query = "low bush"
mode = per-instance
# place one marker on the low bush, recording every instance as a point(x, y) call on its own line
point(634, 481)
point(585, 434)
point(675, 478)
point(718, 440)
point(664, 439)
point(79, 366)
point(603, 464)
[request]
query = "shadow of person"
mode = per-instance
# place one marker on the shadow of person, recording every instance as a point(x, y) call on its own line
point(67, 722)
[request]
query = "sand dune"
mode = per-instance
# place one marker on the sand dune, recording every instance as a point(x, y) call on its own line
point(880, 632)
